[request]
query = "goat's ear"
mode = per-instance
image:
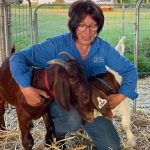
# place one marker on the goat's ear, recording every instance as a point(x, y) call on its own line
point(100, 102)
point(96, 94)
point(61, 89)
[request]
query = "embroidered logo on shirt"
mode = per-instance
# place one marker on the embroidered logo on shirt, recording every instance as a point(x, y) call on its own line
point(101, 102)
point(98, 59)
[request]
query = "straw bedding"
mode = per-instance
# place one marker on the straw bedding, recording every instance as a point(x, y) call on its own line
point(10, 139)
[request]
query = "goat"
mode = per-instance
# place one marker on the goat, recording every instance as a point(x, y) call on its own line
point(109, 83)
point(124, 108)
point(62, 80)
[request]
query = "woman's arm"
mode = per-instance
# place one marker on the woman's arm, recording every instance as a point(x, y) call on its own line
point(126, 70)
point(21, 64)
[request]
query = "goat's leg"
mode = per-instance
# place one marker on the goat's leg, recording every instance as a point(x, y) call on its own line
point(49, 127)
point(25, 126)
point(2, 111)
point(126, 122)
point(127, 127)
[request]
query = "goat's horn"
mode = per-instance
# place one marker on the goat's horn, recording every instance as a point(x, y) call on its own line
point(60, 62)
point(67, 54)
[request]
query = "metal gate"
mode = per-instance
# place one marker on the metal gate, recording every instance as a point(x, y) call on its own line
point(15, 26)
point(21, 17)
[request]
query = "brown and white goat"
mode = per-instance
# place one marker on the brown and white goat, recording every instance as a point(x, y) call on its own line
point(65, 79)
point(109, 84)
point(124, 108)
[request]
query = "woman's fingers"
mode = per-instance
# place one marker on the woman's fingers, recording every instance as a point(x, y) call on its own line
point(33, 96)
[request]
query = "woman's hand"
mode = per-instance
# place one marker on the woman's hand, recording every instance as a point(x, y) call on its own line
point(33, 95)
point(115, 99)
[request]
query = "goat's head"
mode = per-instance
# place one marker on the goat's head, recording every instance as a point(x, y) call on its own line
point(102, 86)
point(78, 83)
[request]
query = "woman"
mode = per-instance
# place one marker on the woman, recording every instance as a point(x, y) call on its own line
point(85, 22)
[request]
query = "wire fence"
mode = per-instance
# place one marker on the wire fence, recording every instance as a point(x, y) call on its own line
point(21, 25)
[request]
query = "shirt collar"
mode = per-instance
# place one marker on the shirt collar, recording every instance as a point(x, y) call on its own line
point(94, 47)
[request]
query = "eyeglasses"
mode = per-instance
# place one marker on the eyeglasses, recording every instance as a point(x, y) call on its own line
point(83, 27)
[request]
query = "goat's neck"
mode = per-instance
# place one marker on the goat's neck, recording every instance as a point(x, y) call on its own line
point(38, 80)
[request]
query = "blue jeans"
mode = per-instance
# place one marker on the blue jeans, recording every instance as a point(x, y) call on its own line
point(101, 130)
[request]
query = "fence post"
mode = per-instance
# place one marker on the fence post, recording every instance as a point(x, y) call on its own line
point(35, 23)
point(6, 9)
point(136, 40)
point(30, 22)
point(35, 28)
point(123, 14)
point(1, 33)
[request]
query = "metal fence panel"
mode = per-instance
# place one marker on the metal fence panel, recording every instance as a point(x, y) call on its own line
point(21, 25)
point(49, 20)
point(144, 57)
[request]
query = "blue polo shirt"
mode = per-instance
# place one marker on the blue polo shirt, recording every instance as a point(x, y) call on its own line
point(100, 55)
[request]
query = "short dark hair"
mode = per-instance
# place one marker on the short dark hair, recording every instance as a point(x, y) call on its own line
point(79, 10)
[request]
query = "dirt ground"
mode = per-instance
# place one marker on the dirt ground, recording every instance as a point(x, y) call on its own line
point(143, 88)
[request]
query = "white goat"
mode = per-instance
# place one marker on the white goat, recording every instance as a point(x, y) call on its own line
point(123, 109)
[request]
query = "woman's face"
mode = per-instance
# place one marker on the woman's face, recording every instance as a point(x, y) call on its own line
point(86, 31)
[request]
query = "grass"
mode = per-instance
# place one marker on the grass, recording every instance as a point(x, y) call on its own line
point(53, 22)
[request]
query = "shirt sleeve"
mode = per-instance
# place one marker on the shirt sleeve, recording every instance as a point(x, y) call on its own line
point(125, 68)
point(22, 62)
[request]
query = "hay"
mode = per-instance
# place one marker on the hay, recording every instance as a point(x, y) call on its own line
point(10, 138)
point(140, 127)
